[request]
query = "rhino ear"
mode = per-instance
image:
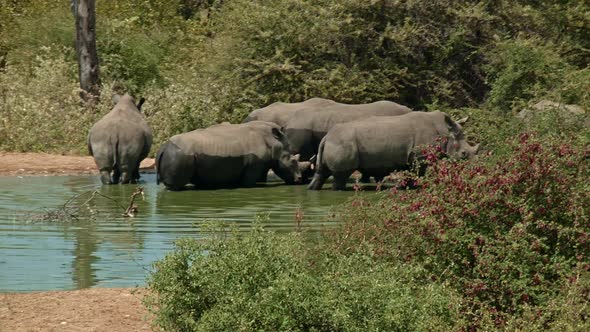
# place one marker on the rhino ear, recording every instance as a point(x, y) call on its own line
point(276, 151)
point(454, 127)
point(277, 133)
point(141, 101)
point(476, 149)
point(116, 98)
point(462, 121)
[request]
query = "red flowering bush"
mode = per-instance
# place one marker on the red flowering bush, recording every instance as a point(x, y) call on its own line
point(506, 232)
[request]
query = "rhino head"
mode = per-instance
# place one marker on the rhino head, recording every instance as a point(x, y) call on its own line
point(457, 146)
point(128, 99)
point(289, 168)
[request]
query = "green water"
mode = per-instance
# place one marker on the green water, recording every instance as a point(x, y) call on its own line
point(109, 250)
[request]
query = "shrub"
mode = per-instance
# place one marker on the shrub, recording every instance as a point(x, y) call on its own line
point(182, 107)
point(521, 70)
point(507, 234)
point(354, 51)
point(264, 281)
point(131, 56)
point(43, 112)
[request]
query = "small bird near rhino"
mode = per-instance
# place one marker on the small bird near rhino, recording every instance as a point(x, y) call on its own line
point(120, 141)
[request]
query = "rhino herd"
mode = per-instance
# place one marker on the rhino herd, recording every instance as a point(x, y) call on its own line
point(316, 138)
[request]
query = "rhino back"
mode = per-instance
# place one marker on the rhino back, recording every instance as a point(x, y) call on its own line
point(368, 145)
point(383, 143)
point(340, 113)
point(129, 126)
point(306, 128)
point(223, 141)
point(280, 112)
point(222, 152)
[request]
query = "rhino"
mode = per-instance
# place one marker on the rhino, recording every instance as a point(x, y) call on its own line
point(226, 155)
point(280, 112)
point(378, 146)
point(307, 127)
point(120, 141)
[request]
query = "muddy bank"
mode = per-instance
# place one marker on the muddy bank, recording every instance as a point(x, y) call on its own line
point(34, 163)
point(95, 309)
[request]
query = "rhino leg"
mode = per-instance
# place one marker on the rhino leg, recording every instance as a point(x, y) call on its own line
point(125, 175)
point(263, 177)
point(320, 177)
point(422, 169)
point(105, 175)
point(251, 175)
point(128, 169)
point(136, 172)
point(116, 175)
point(340, 180)
point(317, 182)
point(306, 174)
point(366, 178)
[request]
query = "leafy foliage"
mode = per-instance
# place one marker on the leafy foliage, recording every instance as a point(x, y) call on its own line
point(263, 281)
point(207, 61)
point(508, 233)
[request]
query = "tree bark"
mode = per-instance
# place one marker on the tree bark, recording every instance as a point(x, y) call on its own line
point(88, 69)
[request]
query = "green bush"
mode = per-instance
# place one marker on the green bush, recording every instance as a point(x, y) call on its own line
point(130, 55)
point(353, 51)
point(210, 61)
point(179, 108)
point(43, 112)
point(521, 70)
point(267, 282)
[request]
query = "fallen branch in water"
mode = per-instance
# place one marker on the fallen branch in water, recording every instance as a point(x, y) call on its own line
point(132, 208)
point(72, 211)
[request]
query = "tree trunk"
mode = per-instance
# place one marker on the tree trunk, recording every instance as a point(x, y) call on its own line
point(84, 10)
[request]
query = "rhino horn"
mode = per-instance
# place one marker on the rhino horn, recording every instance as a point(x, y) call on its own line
point(305, 165)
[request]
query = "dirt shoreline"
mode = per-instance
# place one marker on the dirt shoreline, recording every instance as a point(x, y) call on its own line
point(94, 309)
point(37, 163)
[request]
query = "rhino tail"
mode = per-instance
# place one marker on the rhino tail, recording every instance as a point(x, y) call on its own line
point(319, 177)
point(117, 157)
point(319, 158)
point(89, 146)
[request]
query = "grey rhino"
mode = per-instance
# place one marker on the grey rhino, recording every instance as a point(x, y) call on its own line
point(226, 155)
point(120, 141)
point(280, 112)
point(380, 145)
point(307, 127)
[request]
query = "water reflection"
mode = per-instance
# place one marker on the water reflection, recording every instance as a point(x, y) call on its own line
point(86, 245)
point(108, 250)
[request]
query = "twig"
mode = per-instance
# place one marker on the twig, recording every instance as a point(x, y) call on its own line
point(69, 211)
point(132, 208)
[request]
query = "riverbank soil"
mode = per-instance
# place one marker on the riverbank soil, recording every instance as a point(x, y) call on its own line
point(33, 163)
point(95, 309)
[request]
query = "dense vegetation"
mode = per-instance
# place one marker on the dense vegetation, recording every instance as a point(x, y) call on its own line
point(201, 62)
point(496, 243)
